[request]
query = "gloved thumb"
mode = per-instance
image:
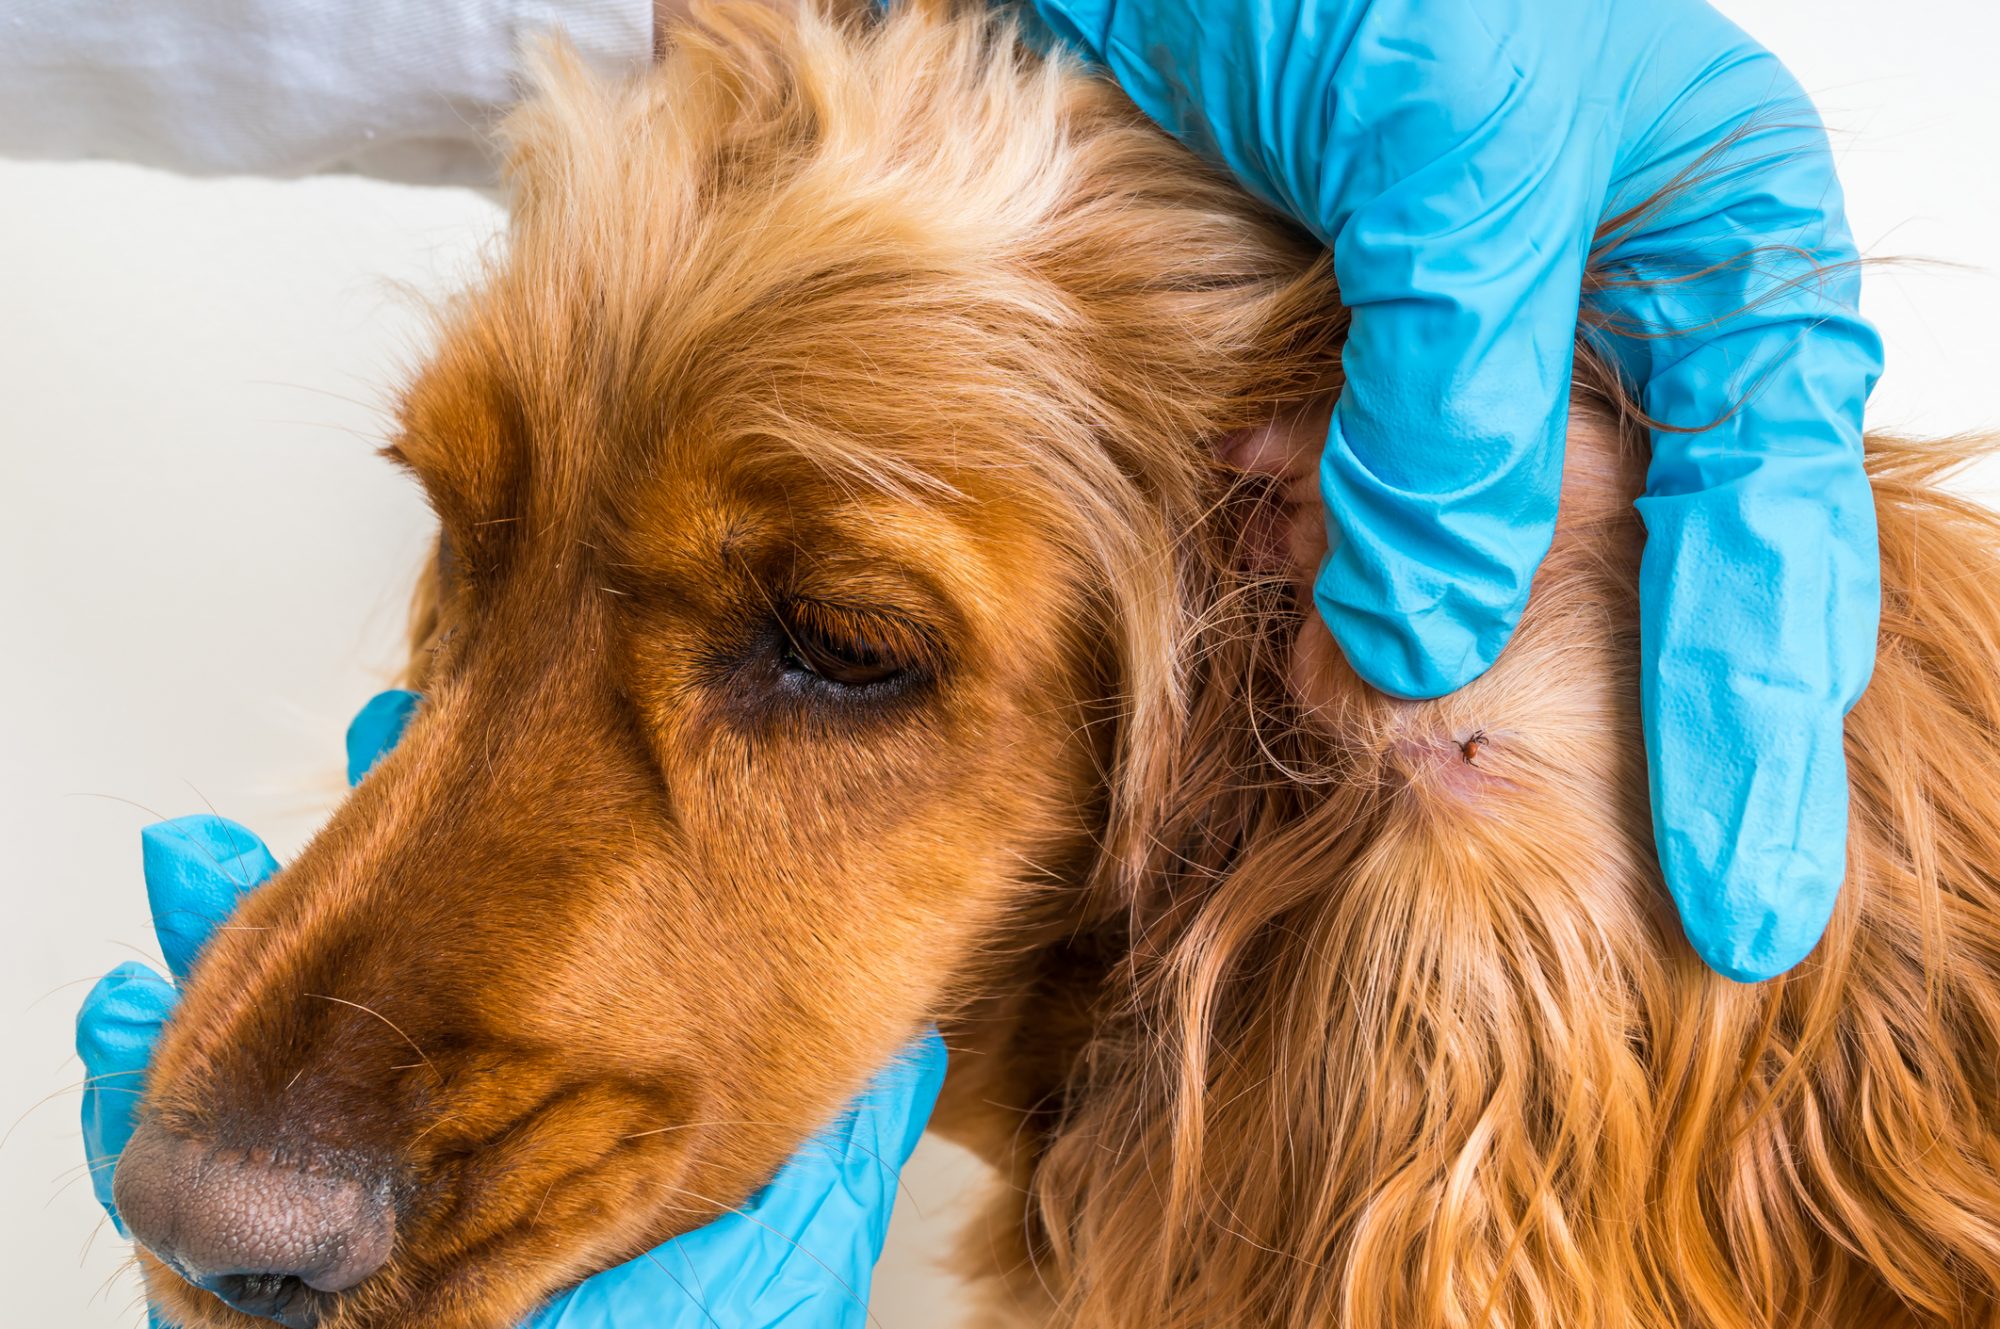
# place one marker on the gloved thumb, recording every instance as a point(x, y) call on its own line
point(197, 870)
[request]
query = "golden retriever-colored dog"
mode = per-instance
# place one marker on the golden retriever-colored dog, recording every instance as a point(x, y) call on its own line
point(870, 592)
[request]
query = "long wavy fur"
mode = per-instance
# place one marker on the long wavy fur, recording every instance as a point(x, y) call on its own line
point(1343, 1026)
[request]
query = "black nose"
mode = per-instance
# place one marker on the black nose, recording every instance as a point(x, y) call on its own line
point(269, 1238)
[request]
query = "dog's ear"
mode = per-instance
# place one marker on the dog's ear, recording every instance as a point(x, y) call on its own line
point(557, 130)
point(647, 138)
point(1410, 1038)
point(1193, 315)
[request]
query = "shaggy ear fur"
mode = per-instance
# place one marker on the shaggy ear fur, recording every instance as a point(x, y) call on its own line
point(1424, 1046)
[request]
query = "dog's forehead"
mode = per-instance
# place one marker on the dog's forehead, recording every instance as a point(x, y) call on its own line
point(780, 522)
point(829, 320)
point(795, 381)
point(671, 472)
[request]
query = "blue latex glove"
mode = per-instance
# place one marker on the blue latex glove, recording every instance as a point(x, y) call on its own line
point(800, 1253)
point(1457, 156)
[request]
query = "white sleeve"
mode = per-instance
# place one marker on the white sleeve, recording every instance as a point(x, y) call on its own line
point(400, 88)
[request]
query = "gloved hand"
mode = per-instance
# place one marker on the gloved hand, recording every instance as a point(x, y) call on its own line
point(800, 1253)
point(1457, 156)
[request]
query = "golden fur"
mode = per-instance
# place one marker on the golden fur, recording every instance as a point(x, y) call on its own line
point(1276, 1002)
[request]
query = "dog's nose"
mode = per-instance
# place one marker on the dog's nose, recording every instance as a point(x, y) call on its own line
point(262, 1235)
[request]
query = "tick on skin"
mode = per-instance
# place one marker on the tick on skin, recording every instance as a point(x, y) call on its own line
point(1469, 749)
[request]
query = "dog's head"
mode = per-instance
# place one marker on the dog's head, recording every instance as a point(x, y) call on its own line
point(824, 506)
point(838, 602)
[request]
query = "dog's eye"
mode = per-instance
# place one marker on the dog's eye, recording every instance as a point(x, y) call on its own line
point(848, 649)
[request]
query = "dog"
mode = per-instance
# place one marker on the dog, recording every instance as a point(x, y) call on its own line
point(876, 505)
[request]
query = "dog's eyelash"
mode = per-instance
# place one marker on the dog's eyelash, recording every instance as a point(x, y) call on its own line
point(855, 650)
point(889, 634)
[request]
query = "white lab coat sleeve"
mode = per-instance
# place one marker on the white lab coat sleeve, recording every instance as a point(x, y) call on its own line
point(406, 89)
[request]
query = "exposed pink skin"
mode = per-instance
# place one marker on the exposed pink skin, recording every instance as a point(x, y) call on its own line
point(1456, 765)
point(207, 1211)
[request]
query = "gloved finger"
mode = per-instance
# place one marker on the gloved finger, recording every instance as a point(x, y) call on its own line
point(801, 1253)
point(1759, 603)
point(197, 870)
point(376, 728)
point(116, 1028)
point(862, 1153)
point(826, 1214)
point(1443, 461)
point(1758, 611)
point(1448, 155)
point(1760, 582)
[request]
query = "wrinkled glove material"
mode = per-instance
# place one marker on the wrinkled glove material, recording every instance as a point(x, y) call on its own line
point(1458, 157)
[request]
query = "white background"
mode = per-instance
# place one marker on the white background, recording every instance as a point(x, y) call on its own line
point(203, 568)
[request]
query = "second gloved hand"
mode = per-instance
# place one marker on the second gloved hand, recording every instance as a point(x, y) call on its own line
point(800, 1253)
